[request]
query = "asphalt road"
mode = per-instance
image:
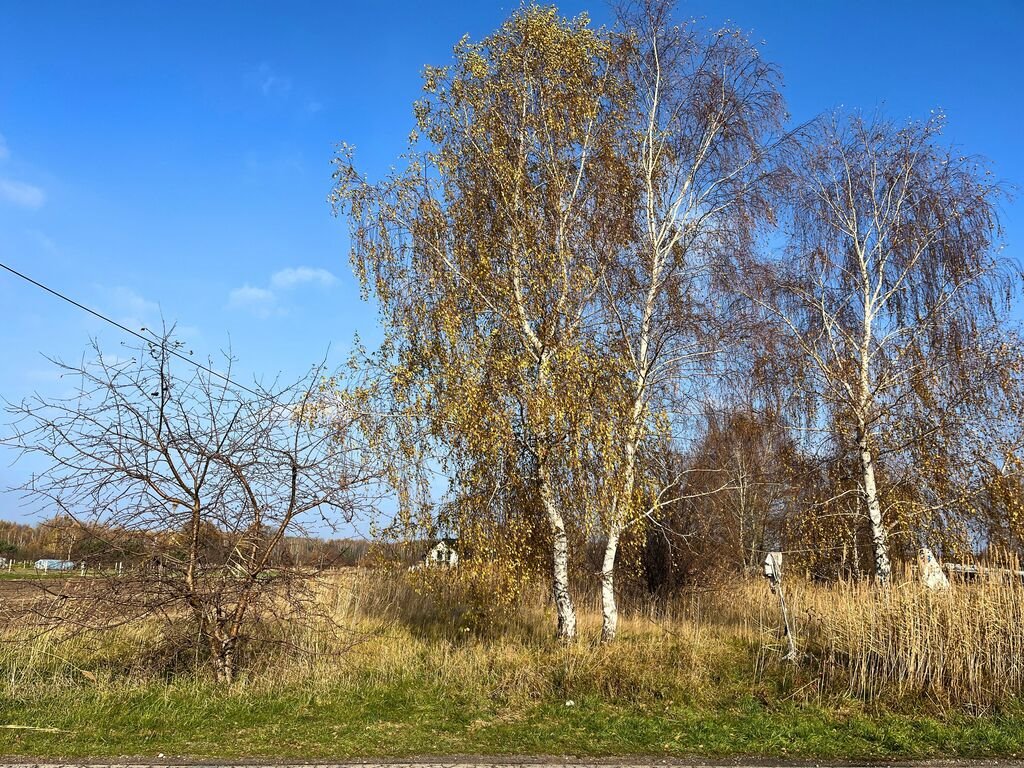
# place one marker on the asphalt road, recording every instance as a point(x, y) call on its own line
point(530, 762)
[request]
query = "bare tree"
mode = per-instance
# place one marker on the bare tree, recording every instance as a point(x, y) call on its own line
point(196, 482)
point(748, 456)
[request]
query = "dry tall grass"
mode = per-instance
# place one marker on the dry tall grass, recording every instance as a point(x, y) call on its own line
point(963, 647)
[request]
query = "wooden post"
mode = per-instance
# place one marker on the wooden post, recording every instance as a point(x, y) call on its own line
point(773, 572)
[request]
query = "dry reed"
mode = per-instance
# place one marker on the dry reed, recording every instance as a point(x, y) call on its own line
point(961, 647)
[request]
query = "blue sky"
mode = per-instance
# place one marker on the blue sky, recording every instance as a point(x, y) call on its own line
point(173, 158)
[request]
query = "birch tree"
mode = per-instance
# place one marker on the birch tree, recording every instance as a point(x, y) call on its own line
point(704, 110)
point(890, 275)
point(966, 449)
point(484, 255)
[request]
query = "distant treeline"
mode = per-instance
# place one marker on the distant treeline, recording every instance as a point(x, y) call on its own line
point(64, 538)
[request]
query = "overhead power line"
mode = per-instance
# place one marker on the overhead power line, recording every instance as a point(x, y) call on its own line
point(126, 329)
point(147, 340)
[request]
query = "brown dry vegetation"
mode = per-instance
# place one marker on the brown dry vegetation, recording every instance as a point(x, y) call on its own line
point(903, 646)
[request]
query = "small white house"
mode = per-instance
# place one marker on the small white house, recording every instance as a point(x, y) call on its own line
point(443, 553)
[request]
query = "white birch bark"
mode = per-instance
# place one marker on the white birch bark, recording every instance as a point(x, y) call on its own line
point(560, 541)
point(609, 608)
point(619, 517)
point(879, 534)
point(560, 551)
point(691, 174)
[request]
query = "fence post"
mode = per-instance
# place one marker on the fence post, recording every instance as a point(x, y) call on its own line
point(773, 572)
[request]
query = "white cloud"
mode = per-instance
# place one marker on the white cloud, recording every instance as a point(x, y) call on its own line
point(260, 301)
point(4, 151)
point(131, 302)
point(271, 83)
point(292, 276)
point(249, 294)
point(279, 91)
point(264, 302)
point(130, 308)
point(21, 194)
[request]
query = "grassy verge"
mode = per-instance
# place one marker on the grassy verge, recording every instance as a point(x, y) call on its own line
point(400, 721)
point(886, 675)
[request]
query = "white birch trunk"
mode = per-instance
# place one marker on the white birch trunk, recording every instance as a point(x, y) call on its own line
point(560, 545)
point(609, 608)
point(560, 540)
point(879, 535)
point(621, 506)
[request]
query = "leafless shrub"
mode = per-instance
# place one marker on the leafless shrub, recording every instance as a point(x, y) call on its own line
point(192, 482)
